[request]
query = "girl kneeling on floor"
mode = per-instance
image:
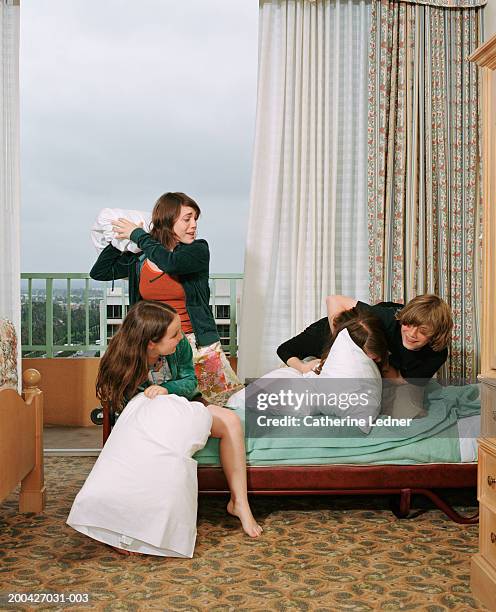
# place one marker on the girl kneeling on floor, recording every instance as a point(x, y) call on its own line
point(141, 494)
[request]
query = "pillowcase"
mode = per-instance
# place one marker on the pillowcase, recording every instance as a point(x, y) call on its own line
point(102, 233)
point(216, 378)
point(403, 401)
point(354, 373)
point(357, 374)
point(237, 400)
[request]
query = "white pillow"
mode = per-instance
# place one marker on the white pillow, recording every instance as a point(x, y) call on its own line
point(237, 400)
point(346, 360)
point(102, 233)
point(284, 372)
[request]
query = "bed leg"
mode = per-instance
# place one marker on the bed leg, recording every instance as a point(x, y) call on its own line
point(33, 493)
point(405, 502)
point(107, 421)
point(402, 509)
point(449, 510)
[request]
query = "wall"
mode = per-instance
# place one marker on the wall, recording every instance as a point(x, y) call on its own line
point(68, 387)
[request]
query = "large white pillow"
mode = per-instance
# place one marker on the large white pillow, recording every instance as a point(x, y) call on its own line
point(237, 400)
point(102, 233)
point(346, 360)
point(354, 373)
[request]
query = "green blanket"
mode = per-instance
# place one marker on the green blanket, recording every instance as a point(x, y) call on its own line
point(432, 439)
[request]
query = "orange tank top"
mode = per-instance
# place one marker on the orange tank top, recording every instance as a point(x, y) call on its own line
point(162, 287)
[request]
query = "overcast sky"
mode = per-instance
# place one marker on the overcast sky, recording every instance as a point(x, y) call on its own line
point(121, 102)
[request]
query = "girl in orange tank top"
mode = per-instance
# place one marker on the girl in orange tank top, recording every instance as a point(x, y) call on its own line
point(162, 287)
point(172, 276)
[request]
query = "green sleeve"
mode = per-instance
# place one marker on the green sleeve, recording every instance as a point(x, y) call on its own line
point(112, 264)
point(186, 259)
point(186, 383)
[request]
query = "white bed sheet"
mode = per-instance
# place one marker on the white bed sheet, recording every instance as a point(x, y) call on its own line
point(468, 432)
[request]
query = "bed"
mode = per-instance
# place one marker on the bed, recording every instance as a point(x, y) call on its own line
point(21, 428)
point(439, 453)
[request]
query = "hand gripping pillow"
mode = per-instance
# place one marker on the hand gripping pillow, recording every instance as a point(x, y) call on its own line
point(356, 374)
point(143, 489)
point(102, 233)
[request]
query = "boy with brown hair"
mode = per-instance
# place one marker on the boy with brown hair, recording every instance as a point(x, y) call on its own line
point(417, 334)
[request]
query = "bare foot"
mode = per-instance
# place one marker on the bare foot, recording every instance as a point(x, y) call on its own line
point(122, 551)
point(248, 522)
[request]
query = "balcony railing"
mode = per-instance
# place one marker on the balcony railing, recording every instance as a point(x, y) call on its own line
point(63, 297)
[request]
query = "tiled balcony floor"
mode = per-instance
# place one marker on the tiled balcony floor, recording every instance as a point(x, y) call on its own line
point(61, 440)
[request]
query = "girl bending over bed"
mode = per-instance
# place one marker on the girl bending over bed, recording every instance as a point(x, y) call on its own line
point(365, 329)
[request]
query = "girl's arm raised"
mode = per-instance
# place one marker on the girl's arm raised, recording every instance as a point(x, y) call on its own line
point(112, 264)
point(185, 259)
point(336, 304)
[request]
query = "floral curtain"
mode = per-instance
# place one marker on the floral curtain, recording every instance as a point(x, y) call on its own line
point(448, 3)
point(441, 3)
point(424, 199)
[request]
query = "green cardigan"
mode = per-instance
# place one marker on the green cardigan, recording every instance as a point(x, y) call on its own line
point(188, 261)
point(184, 381)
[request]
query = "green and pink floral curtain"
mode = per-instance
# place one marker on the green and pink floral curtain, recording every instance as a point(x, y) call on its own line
point(424, 166)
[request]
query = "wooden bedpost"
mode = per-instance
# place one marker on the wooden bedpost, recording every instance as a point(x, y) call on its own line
point(108, 419)
point(32, 498)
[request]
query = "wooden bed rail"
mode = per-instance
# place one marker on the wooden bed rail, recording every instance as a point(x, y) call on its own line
point(21, 443)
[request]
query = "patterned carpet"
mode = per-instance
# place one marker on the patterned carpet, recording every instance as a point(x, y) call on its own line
point(322, 554)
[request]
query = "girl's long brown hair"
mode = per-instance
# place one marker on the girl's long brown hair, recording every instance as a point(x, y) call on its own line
point(166, 212)
point(365, 330)
point(124, 366)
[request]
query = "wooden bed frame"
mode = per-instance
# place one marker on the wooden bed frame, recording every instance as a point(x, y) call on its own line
point(21, 443)
point(335, 479)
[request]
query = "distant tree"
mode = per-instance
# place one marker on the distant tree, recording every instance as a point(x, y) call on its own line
point(78, 324)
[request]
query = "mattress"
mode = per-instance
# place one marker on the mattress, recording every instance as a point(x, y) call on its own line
point(447, 434)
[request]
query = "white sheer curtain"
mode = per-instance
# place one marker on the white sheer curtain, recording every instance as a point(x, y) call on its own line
point(307, 233)
point(10, 306)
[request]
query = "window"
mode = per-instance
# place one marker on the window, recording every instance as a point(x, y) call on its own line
point(114, 311)
point(112, 329)
point(223, 311)
point(225, 338)
point(223, 331)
